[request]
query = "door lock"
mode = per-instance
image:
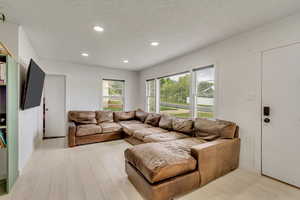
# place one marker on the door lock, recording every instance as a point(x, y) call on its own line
point(267, 120)
point(266, 111)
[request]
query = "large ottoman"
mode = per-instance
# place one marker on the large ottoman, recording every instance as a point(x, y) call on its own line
point(163, 170)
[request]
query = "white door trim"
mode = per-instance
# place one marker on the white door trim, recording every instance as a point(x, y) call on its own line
point(261, 96)
point(261, 108)
point(262, 54)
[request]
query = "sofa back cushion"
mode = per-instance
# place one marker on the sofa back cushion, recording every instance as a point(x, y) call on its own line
point(183, 125)
point(124, 115)
point(211, 129)
point(229, 130)
point(152, 119)
point(165, 122)
point(141, 115)
point(207, 129)
point(104, 116)
point(83, 117)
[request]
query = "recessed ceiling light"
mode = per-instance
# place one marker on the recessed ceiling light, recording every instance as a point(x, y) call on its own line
point(85, 54)
point(98, 28)
point(125, 61)
point(154, 44)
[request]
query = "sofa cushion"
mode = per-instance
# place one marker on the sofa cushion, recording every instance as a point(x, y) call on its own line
point(207, 129)
point(88, 129)
point(130, 122)
point(130, 128)
point(163, 160)
point(183, 125)
point(141, 133)
point(108, 127)
point(211, 129)
point(165, 122)
point(228, 132)
point(124, 115)
point(83, 117)
point(169, 136)
point(141, 115)
point(104, 116)
point(152, 119)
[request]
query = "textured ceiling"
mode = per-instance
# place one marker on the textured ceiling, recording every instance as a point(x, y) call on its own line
point(62, 29)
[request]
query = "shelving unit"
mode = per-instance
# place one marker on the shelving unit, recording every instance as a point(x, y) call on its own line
point(3, 151)
point(3, 85)
point(9, 109)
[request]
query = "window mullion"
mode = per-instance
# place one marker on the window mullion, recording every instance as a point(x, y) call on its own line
point(193, 103)
point(157, 96)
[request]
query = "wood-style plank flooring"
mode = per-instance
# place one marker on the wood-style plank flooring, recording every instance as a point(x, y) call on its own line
point(96, 172)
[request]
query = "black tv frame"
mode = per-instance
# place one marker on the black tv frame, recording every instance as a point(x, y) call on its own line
point(25, 104)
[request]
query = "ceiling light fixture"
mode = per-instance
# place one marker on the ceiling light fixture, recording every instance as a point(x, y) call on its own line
point(85, 54)
point(154, 44)
point(125, 61)
point(98, 28)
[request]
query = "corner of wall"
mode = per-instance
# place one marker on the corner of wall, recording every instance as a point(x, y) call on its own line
point(30, 123)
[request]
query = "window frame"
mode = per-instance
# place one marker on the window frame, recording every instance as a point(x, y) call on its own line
point(148, 96)
point(122, 97)
point(193, 90)
point(190, 94)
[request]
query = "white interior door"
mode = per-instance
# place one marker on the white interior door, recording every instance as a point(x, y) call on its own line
point(281, 136)
point(55, 106)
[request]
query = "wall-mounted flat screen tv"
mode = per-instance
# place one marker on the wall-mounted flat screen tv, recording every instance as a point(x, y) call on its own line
point(33, 87)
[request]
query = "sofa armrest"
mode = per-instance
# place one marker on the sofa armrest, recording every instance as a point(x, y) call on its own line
point(72, 134)
point(216, 158)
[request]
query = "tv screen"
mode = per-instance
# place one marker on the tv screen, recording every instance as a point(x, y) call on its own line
point(33, 87)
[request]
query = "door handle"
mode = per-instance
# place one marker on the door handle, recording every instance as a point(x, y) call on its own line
point(47, 109)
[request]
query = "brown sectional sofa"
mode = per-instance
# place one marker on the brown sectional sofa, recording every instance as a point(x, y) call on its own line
point(170, 156)
point(89, 127)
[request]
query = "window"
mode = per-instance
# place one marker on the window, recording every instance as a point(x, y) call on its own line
point(175, 95)
point(113, 95)
point(189, 94)
point(205, 89)
point(151, 95)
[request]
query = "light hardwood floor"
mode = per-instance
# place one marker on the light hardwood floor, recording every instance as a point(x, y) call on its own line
point(96, 172)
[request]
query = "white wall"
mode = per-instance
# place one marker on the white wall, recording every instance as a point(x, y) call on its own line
point(84, 86)
point(30, 120)
point(9, 36)
point(238, 62)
